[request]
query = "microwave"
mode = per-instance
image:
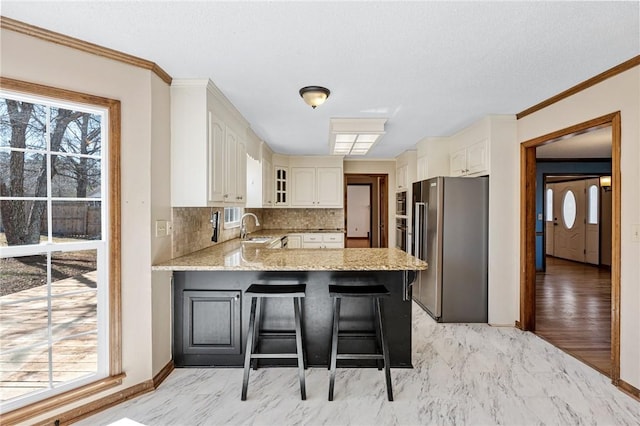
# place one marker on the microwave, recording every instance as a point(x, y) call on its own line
point(401, 203)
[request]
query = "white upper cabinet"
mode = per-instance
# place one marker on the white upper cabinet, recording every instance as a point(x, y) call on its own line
point(240, 167)
point(304, 183)
point(402, 177)
point(329, 189)
point(215, 166)
point(280, 180)
point(268, 185)
point(469, 148)
point(317, 186)
point(259, 185)
point(405, 170)
point(208, 151)
point(470, 161)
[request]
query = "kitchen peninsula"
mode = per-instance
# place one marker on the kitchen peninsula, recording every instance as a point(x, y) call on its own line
point(211, 315)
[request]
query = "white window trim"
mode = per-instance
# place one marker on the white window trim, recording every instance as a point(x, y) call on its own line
point(49, 247)
point(235, 223)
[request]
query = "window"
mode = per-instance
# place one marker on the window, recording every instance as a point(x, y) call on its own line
point(232, 217)
point(592, 217)
point(56, 251)
point(549, 205)
point(569, 209)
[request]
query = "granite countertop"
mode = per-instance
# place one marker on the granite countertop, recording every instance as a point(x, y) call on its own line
point(233, 255)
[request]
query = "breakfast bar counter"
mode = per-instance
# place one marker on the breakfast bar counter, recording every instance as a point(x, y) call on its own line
point(211, 314)
point(234, 255)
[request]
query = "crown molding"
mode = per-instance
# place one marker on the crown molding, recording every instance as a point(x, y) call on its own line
point(85, 46)
point(611, 72)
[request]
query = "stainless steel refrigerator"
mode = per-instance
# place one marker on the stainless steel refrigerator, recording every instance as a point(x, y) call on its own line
point(450, 233)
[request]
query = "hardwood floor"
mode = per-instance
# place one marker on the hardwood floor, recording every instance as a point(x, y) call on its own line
point(357, 243)
point(573, 310)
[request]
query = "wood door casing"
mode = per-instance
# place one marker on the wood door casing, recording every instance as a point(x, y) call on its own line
point(528, 228)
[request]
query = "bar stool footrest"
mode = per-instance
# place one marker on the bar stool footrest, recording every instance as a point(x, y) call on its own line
point(274, 356)
point(359, 356)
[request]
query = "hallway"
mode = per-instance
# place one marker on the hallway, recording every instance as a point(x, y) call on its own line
point(573, 310)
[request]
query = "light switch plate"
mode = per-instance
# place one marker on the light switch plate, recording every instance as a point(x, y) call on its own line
point(635, 233)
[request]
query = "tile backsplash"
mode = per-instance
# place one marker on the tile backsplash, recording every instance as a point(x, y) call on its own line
point(192, 230)
point(302, 218)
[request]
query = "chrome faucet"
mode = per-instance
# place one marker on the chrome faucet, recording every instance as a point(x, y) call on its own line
point(243, 227)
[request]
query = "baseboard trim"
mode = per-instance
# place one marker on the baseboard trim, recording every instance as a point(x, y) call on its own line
point(94, 407)
point(629, 389)
point(163, 374)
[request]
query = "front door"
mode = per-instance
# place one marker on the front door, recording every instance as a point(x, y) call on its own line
point(569, 220)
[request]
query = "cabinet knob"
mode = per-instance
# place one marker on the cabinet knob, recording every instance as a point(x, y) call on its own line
point(226, 195)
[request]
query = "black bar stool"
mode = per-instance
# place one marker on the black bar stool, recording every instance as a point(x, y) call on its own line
point(375, 292)
point(257, 293)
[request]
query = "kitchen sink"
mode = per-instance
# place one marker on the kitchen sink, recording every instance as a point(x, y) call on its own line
point(258, 240)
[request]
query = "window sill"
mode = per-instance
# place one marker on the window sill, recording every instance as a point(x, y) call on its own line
point(46, 405)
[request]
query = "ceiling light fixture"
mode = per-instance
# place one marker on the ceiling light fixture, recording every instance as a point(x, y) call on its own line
point(314, 95)
point(355, 136)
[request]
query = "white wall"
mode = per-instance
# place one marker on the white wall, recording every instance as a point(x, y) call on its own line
point(358, 211)
point(504, 224)
point(144, 173)
point(619, 93)
point(160, 159)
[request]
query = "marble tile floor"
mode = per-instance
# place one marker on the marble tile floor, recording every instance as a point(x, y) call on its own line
point(465, 374)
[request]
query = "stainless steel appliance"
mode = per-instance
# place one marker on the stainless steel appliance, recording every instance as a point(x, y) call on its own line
point(401, 234)
point(401, 203)
point(450, 233)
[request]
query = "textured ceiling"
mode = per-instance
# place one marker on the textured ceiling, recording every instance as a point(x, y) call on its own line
point(592, 144)
point(431, 68)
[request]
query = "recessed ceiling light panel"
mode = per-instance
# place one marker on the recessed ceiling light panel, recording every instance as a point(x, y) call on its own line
point(354, 136)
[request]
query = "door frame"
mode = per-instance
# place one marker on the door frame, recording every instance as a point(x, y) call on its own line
point(346, 203)
point(528, 227)
point(379, 181)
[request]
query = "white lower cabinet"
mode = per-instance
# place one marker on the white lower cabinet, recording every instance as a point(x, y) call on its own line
point(294, 241)
point(323, 240)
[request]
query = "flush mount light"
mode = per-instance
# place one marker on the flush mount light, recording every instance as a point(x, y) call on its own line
point(354, 136)
point(314, 95)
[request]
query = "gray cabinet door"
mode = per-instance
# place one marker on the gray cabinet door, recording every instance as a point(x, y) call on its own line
point(211, 322)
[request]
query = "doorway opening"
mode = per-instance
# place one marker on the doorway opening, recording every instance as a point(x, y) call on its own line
point(366, 210)
point(561, 302)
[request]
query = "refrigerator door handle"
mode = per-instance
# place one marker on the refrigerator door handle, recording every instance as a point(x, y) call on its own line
point(417, 231)
point(409, 279)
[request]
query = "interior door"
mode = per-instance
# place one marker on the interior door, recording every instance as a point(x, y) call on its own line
point(569, 219)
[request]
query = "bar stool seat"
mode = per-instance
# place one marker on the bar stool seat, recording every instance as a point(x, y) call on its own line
point(375, 292)
point(258, 292)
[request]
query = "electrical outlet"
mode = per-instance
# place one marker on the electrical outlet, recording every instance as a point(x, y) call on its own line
point(635, 233)
point(161, 228)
